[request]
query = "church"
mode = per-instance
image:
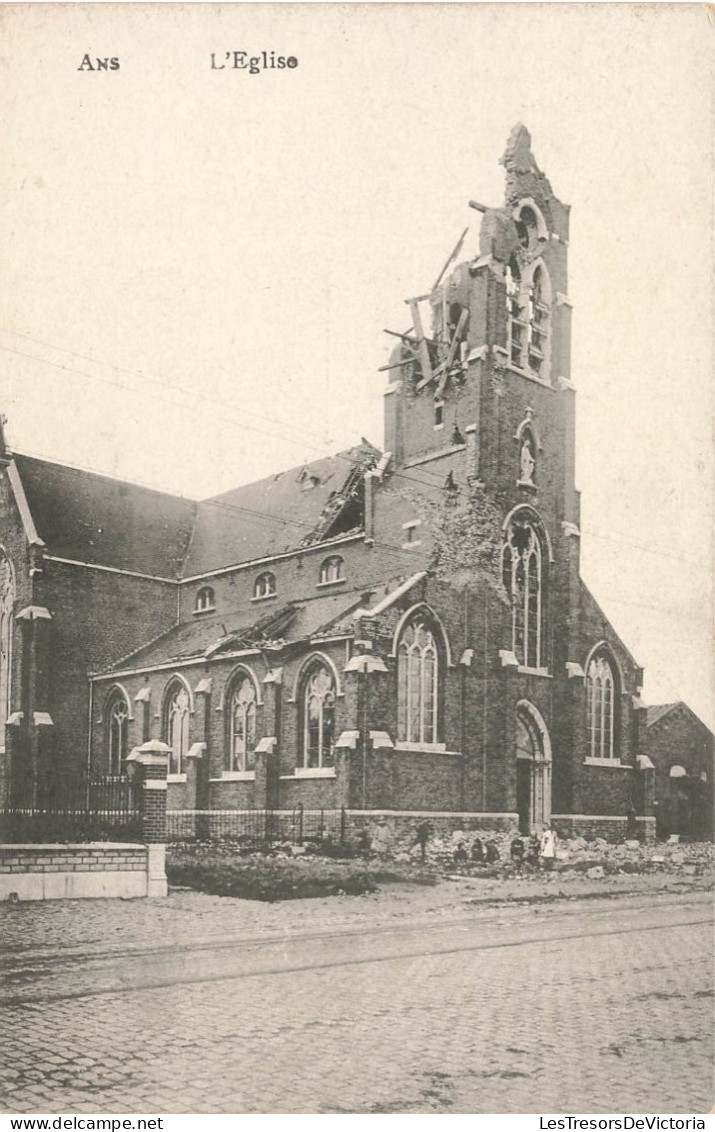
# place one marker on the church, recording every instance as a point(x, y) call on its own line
point(391, 630)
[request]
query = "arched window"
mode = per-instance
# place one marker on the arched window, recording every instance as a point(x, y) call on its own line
point(241, 724)
point(524, 578)
point(526, 229)
point(117, 723)
point(318, 709)
point(417, 683)
point(265, 585)
point(177, 705)
point(205, 599)
point(7, 613)
point(601, 708)
point(332, 570)
point(516, 328)
point(528, 306)
point(538, 322)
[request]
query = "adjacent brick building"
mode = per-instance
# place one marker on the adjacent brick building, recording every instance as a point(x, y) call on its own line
point(397, 629)
point(682, 749)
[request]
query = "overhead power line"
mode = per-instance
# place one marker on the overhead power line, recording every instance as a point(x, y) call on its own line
point(437, 480)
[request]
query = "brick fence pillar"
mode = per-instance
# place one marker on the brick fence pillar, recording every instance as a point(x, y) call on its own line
point(266, 784)
point(149, 768)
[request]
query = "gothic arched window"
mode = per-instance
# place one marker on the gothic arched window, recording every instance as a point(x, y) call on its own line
point(265, 585)
point(516, 328)
point(332, 570)
point(601, 708)
point(7, 612)
point(117, 723)
point(418, 678)
point(538, 328)
point(524, 578)
point(177, 706)
point(318, 712)
point(241, 724)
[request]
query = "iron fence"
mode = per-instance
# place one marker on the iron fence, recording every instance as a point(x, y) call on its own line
point(101, 810)
point(257, 827)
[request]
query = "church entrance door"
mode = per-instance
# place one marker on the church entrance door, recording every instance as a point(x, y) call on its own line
point(533, 770)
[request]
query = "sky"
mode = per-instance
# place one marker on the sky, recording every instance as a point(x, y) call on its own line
point(198, 264)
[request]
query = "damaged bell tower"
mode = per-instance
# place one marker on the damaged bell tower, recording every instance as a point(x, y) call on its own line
point(487, 358)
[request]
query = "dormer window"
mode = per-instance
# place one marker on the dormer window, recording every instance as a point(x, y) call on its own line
point(265, 586)
point(331, 570)
point(205, 600)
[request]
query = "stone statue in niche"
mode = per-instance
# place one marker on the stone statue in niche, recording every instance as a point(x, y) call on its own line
point(527, 462)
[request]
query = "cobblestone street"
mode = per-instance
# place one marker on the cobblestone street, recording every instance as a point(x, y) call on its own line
point(579, 1006)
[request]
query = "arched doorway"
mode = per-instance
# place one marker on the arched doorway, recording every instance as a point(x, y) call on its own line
point(533, 769)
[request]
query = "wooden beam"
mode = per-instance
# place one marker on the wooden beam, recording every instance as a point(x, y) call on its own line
point(454, 254)
point(397, 365)
point(422, 350)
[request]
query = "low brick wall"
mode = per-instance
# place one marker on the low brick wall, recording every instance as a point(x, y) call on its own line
point(72, 872)
point(610, 828)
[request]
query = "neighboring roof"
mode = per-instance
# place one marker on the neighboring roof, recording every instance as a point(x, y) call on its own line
point(102, 521)
point(294, 621)
point(91, 518)
point(282, 512)
point(657, 712)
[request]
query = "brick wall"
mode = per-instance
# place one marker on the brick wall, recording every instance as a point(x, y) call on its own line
point(50, 872)
point(97, 618)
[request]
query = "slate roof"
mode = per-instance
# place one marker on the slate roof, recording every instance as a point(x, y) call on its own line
point(279, 513)
point(656, 712)
point(93, 518)
point(291, 622)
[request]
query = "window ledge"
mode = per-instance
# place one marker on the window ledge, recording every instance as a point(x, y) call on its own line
point(264, 597)
point(331, 582)
point(313, 772)
point(236, 776)
point(176, 778)
point(201, 612)
point(608, 762)
point(428, 748)
point(528, 374)
point(535, 671)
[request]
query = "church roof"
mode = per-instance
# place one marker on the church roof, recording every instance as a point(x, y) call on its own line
point(96, 519)
point(210, 636)
point(102, 521)
point(281, 512)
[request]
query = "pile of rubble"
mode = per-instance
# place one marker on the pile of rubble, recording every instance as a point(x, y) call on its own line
point(490, 854)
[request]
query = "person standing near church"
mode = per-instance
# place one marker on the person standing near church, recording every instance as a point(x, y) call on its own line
point(547, 847)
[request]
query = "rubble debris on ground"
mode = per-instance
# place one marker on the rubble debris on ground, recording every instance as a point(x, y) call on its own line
point(465, 853)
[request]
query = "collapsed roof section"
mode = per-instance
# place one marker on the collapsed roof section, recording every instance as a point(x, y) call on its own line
point(210, 639)
point(283, 512)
